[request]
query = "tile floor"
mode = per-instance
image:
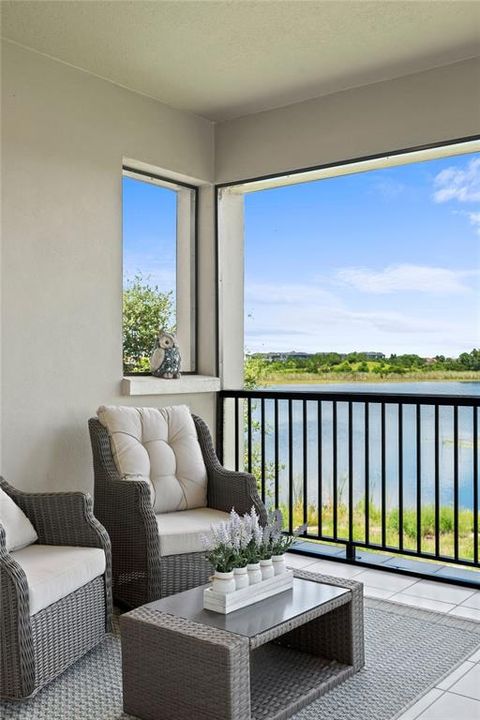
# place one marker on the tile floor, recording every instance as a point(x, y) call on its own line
point(458, 696)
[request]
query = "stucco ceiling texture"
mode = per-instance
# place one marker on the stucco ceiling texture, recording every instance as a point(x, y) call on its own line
point(227, 58)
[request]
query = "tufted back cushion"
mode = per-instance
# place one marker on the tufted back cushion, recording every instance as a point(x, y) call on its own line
point(159, 445)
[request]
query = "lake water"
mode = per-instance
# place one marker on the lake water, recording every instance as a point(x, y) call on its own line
point(422, 388)
point(427, 445)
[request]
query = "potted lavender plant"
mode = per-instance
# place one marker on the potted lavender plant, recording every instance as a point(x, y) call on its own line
point(253, 549)
point(266, 552)
point(241, 534)
point(221, 554)
point(279, 542)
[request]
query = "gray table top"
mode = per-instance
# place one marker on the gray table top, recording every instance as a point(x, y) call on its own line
point(254, 619)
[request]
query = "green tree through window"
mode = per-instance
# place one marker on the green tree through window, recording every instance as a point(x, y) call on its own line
point(145, 310)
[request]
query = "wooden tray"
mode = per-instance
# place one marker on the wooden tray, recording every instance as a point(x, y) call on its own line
point(217, 602)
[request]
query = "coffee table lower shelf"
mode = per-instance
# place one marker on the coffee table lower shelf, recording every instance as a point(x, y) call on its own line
point(283, 680)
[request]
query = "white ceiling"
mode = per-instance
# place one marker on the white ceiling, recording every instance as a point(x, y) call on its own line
point(225, 58)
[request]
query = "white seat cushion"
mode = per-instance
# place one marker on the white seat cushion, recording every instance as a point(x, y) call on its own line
point(184, 532)
point(55, 571)
point(19, 531)
point(159, 445)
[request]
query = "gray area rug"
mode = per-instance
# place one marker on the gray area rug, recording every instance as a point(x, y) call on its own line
point(407, 652)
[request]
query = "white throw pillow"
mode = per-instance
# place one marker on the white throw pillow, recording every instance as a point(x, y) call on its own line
point(19, 531)
point(160, 446)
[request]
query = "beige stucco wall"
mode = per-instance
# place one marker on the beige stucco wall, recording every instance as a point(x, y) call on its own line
point(424, 108)
point(64, 136)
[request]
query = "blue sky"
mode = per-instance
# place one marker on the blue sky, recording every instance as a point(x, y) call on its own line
point(149, 232)
point(385, 260)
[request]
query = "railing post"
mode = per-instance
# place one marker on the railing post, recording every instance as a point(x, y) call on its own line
point(350, 551)
point(219, 425)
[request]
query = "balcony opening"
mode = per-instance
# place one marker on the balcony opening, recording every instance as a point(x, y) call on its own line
point(356, 404)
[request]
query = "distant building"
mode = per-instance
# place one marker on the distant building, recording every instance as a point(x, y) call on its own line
point(297, 355)
point(374, 355)
point(284, 356)
point(274, 357)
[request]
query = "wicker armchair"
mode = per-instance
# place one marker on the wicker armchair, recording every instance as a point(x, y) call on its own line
point(36, 648)
point(140, 573)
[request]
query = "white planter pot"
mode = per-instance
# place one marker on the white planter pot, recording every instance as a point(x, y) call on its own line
point(279, 566)
point(266, 568)
point(254, 573)
point(223, 583)
point(241, 578)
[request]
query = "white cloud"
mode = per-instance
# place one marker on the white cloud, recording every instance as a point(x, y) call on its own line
point(304, 317)
point(287, 294)
point(474, 218)
point(406, 278)
point(455, 184)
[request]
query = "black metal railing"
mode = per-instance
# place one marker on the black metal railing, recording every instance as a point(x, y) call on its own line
point(383, 471)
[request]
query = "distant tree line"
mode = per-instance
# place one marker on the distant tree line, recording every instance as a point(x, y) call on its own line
point(258, 365)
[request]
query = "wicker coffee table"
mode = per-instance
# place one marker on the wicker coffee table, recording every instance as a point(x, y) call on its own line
point(263, 662)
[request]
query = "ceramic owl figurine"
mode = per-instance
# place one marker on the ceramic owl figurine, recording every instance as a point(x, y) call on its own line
point(165, 360)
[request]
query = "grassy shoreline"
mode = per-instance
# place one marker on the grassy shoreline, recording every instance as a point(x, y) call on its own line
point(466, 538)
point(292, 377)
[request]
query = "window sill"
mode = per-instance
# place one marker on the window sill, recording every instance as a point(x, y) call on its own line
point(146, 385)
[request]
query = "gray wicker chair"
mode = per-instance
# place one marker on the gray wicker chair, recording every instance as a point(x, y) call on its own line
point(35, 649)
point(140, 574)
